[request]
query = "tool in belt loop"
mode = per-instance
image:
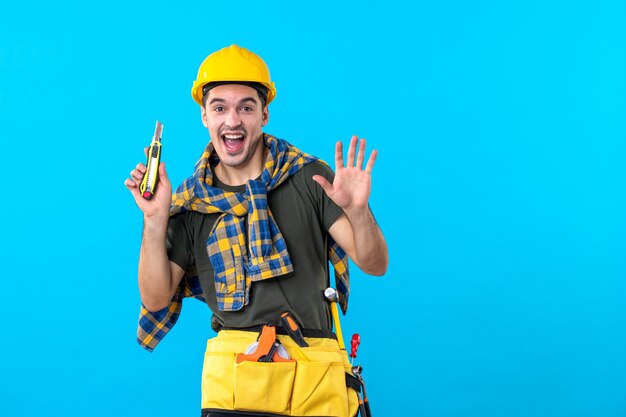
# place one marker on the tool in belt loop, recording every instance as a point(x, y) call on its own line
point(356, 379)
point(333, 298)
point(293, 330)
point(364, 404)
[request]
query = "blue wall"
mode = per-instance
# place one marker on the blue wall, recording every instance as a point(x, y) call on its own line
point(500, 186)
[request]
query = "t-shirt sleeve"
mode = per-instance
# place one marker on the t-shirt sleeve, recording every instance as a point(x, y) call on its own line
point(329, 211)
point(179, 248)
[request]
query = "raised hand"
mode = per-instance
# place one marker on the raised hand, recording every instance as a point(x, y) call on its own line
point(351, 187)
point(160, 203)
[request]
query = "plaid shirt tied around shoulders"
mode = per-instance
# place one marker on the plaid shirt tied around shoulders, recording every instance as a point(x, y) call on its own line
point(237, 264)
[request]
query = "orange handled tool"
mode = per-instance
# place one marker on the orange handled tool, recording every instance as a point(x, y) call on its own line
point(293, 330)
point(266, 350)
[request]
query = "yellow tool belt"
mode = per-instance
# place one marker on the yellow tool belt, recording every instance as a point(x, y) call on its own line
point(314, 384)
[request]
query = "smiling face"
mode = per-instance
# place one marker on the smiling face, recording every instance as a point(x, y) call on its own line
point(234, 116)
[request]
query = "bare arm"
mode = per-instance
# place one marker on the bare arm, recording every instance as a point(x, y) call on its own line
point(158, 277)
point(363, 241)
point(356, 231)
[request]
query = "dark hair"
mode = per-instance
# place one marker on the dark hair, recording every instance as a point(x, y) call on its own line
point(261, 90)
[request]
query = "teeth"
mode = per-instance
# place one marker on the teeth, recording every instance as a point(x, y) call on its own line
point(233, 136)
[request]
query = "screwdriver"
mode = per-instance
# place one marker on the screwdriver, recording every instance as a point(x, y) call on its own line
point(151, 177)
point(354, 343)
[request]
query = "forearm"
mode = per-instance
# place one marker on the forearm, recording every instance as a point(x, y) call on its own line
point(154, 275)
point(370, 248)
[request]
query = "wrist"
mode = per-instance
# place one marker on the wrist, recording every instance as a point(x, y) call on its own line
point(155, 225)
point(357, 215)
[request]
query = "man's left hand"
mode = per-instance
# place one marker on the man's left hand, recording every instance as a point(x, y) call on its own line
point(351, 187)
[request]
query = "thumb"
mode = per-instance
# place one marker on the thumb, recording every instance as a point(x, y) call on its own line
point(323, 182)
point(163, 174)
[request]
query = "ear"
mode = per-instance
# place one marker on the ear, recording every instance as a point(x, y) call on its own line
point(203, 113)
point(266, 116)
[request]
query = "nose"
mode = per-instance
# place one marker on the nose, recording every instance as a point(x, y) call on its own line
point(232, 118)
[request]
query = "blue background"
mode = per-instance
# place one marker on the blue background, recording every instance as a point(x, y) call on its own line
point(500, 187)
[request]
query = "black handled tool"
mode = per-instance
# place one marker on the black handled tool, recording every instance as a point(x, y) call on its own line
point(293, 330)
point(364, 404)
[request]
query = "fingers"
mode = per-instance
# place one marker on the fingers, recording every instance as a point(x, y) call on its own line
point(157, 206)
point(338, 155)
point(136, 175)
point(370, 162)
point(133, 187)
point(138, 172)
point(129, 183)
point(352, 151)
point(361, 154)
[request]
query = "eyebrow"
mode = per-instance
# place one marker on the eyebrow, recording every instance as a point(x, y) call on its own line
point(243, 100)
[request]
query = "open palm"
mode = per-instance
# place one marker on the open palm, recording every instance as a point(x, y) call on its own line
point(352, 184)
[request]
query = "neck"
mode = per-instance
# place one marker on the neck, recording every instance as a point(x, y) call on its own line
point(239, 175)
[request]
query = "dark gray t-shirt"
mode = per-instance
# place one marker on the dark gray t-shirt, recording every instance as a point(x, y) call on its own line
point(304, 213)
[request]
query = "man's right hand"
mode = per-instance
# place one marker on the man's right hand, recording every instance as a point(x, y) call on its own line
point(158, 207)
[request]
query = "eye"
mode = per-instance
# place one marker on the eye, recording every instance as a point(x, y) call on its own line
point(218, 109)
point(247, 108)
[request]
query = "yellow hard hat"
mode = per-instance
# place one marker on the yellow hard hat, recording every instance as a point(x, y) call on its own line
point(233, 63)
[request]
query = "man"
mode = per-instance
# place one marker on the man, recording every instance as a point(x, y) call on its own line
point(251, 233)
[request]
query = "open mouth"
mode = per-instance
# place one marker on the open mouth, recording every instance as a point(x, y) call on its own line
point(233, 141)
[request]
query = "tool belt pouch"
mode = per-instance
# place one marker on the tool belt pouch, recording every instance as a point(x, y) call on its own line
point(314, 384)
